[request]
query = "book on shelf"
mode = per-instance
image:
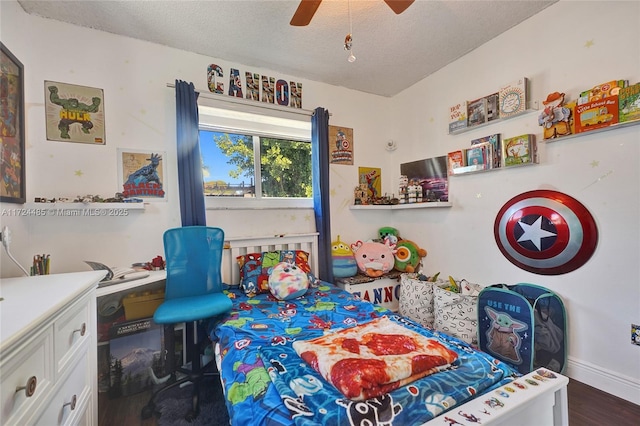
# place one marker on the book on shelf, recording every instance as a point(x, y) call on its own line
point(496, 148)
point(477, 112)
point(601, 91)
point(596, 114)
point(513, 97)
point(519, 150)
point(493, 110)
point(458, 116)
point(629, 103)
point(455, 160)
point(572, 116)
point(480, 155)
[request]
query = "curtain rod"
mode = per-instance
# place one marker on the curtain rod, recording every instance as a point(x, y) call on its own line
point(241, 101)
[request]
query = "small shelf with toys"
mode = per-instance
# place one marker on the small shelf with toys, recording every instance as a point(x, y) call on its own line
point(424, 205)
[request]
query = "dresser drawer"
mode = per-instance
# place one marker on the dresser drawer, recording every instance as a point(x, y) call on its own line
point(34, 359)
point(69, 403)
point(71, 331)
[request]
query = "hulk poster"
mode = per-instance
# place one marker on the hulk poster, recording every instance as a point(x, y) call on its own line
point(74, 113)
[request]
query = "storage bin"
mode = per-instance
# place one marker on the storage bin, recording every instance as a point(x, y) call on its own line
point(142, 305)
point(523, 325)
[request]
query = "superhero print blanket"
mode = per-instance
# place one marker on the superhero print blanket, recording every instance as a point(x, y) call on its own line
point(267, 382)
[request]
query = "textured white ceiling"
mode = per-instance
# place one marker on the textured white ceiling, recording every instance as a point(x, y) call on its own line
point(393, 51)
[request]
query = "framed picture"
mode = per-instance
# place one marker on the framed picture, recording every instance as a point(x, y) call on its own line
point(372, 178)
point(74, 113)
point(141, 174)
point(340, 145)
point(12, 163)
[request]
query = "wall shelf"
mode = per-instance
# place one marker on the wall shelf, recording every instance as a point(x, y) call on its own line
point(533, 107)
point(470, 170)
point(593, 132)
point(426, 205)
point(85, 206)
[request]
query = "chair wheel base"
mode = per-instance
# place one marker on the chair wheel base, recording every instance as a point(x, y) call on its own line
point(191, 416)
point(149, 410)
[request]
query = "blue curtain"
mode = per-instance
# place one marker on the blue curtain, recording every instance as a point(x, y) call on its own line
point(190, 181)
point(320, 165)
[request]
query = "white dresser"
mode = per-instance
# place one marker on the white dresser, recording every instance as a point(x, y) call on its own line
point(48, 349)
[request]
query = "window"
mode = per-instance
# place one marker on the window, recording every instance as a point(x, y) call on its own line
point(255, 161)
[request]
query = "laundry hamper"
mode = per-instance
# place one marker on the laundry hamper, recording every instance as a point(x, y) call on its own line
point(523, 325)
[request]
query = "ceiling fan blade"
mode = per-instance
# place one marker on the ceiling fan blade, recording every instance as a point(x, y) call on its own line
point(399, 6)
point(305, 11)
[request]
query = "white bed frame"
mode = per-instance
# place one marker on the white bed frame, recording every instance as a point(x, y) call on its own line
point(541, 405)
point(238, 246)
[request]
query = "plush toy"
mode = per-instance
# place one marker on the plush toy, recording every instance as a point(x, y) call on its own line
point(344, 262)
point(408, 256)
point(389, 233)
point(374, 259)
point(288, 281)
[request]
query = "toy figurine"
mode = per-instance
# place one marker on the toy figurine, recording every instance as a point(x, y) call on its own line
point(344, 262)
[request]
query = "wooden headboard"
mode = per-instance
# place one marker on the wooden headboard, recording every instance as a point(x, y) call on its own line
point(236, 246)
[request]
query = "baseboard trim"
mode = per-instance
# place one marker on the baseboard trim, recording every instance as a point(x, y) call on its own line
point(605, 380)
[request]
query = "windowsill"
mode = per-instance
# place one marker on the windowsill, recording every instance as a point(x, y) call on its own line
point(230, 203)
point(259, 208)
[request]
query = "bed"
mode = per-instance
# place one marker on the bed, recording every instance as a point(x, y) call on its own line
point(262, 349)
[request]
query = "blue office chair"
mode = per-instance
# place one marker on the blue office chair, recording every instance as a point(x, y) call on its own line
point(193, 293)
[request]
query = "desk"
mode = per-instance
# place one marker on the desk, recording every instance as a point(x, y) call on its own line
point(111, 313)
point(154, 277)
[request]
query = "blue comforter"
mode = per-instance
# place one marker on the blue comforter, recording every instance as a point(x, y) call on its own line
point(267, 383)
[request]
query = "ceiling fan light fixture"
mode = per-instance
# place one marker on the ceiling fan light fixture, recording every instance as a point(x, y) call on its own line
point(348, 40)
point(348, 43)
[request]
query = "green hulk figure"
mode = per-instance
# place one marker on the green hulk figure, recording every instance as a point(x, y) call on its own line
point(73, 112)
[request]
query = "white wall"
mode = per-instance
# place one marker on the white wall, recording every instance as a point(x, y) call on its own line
point(139, 114)
point(602, 297)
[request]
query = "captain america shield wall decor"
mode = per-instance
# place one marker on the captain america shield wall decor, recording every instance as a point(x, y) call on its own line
point(546, 232)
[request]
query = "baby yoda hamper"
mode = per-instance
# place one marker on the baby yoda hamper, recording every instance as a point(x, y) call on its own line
point(523, 325)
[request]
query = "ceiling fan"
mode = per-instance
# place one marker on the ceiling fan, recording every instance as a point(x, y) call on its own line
point(307, 8)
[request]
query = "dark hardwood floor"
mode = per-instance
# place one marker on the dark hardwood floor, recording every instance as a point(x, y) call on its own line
point(588, 406)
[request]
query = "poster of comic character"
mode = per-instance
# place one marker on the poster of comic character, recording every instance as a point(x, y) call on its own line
point(372, 178)
point(340, 145)
point(74, 113)
point(142, 174)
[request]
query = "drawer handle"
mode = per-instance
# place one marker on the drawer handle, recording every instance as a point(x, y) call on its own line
point(82, 329)
point(71, 404)
point(30, 387)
